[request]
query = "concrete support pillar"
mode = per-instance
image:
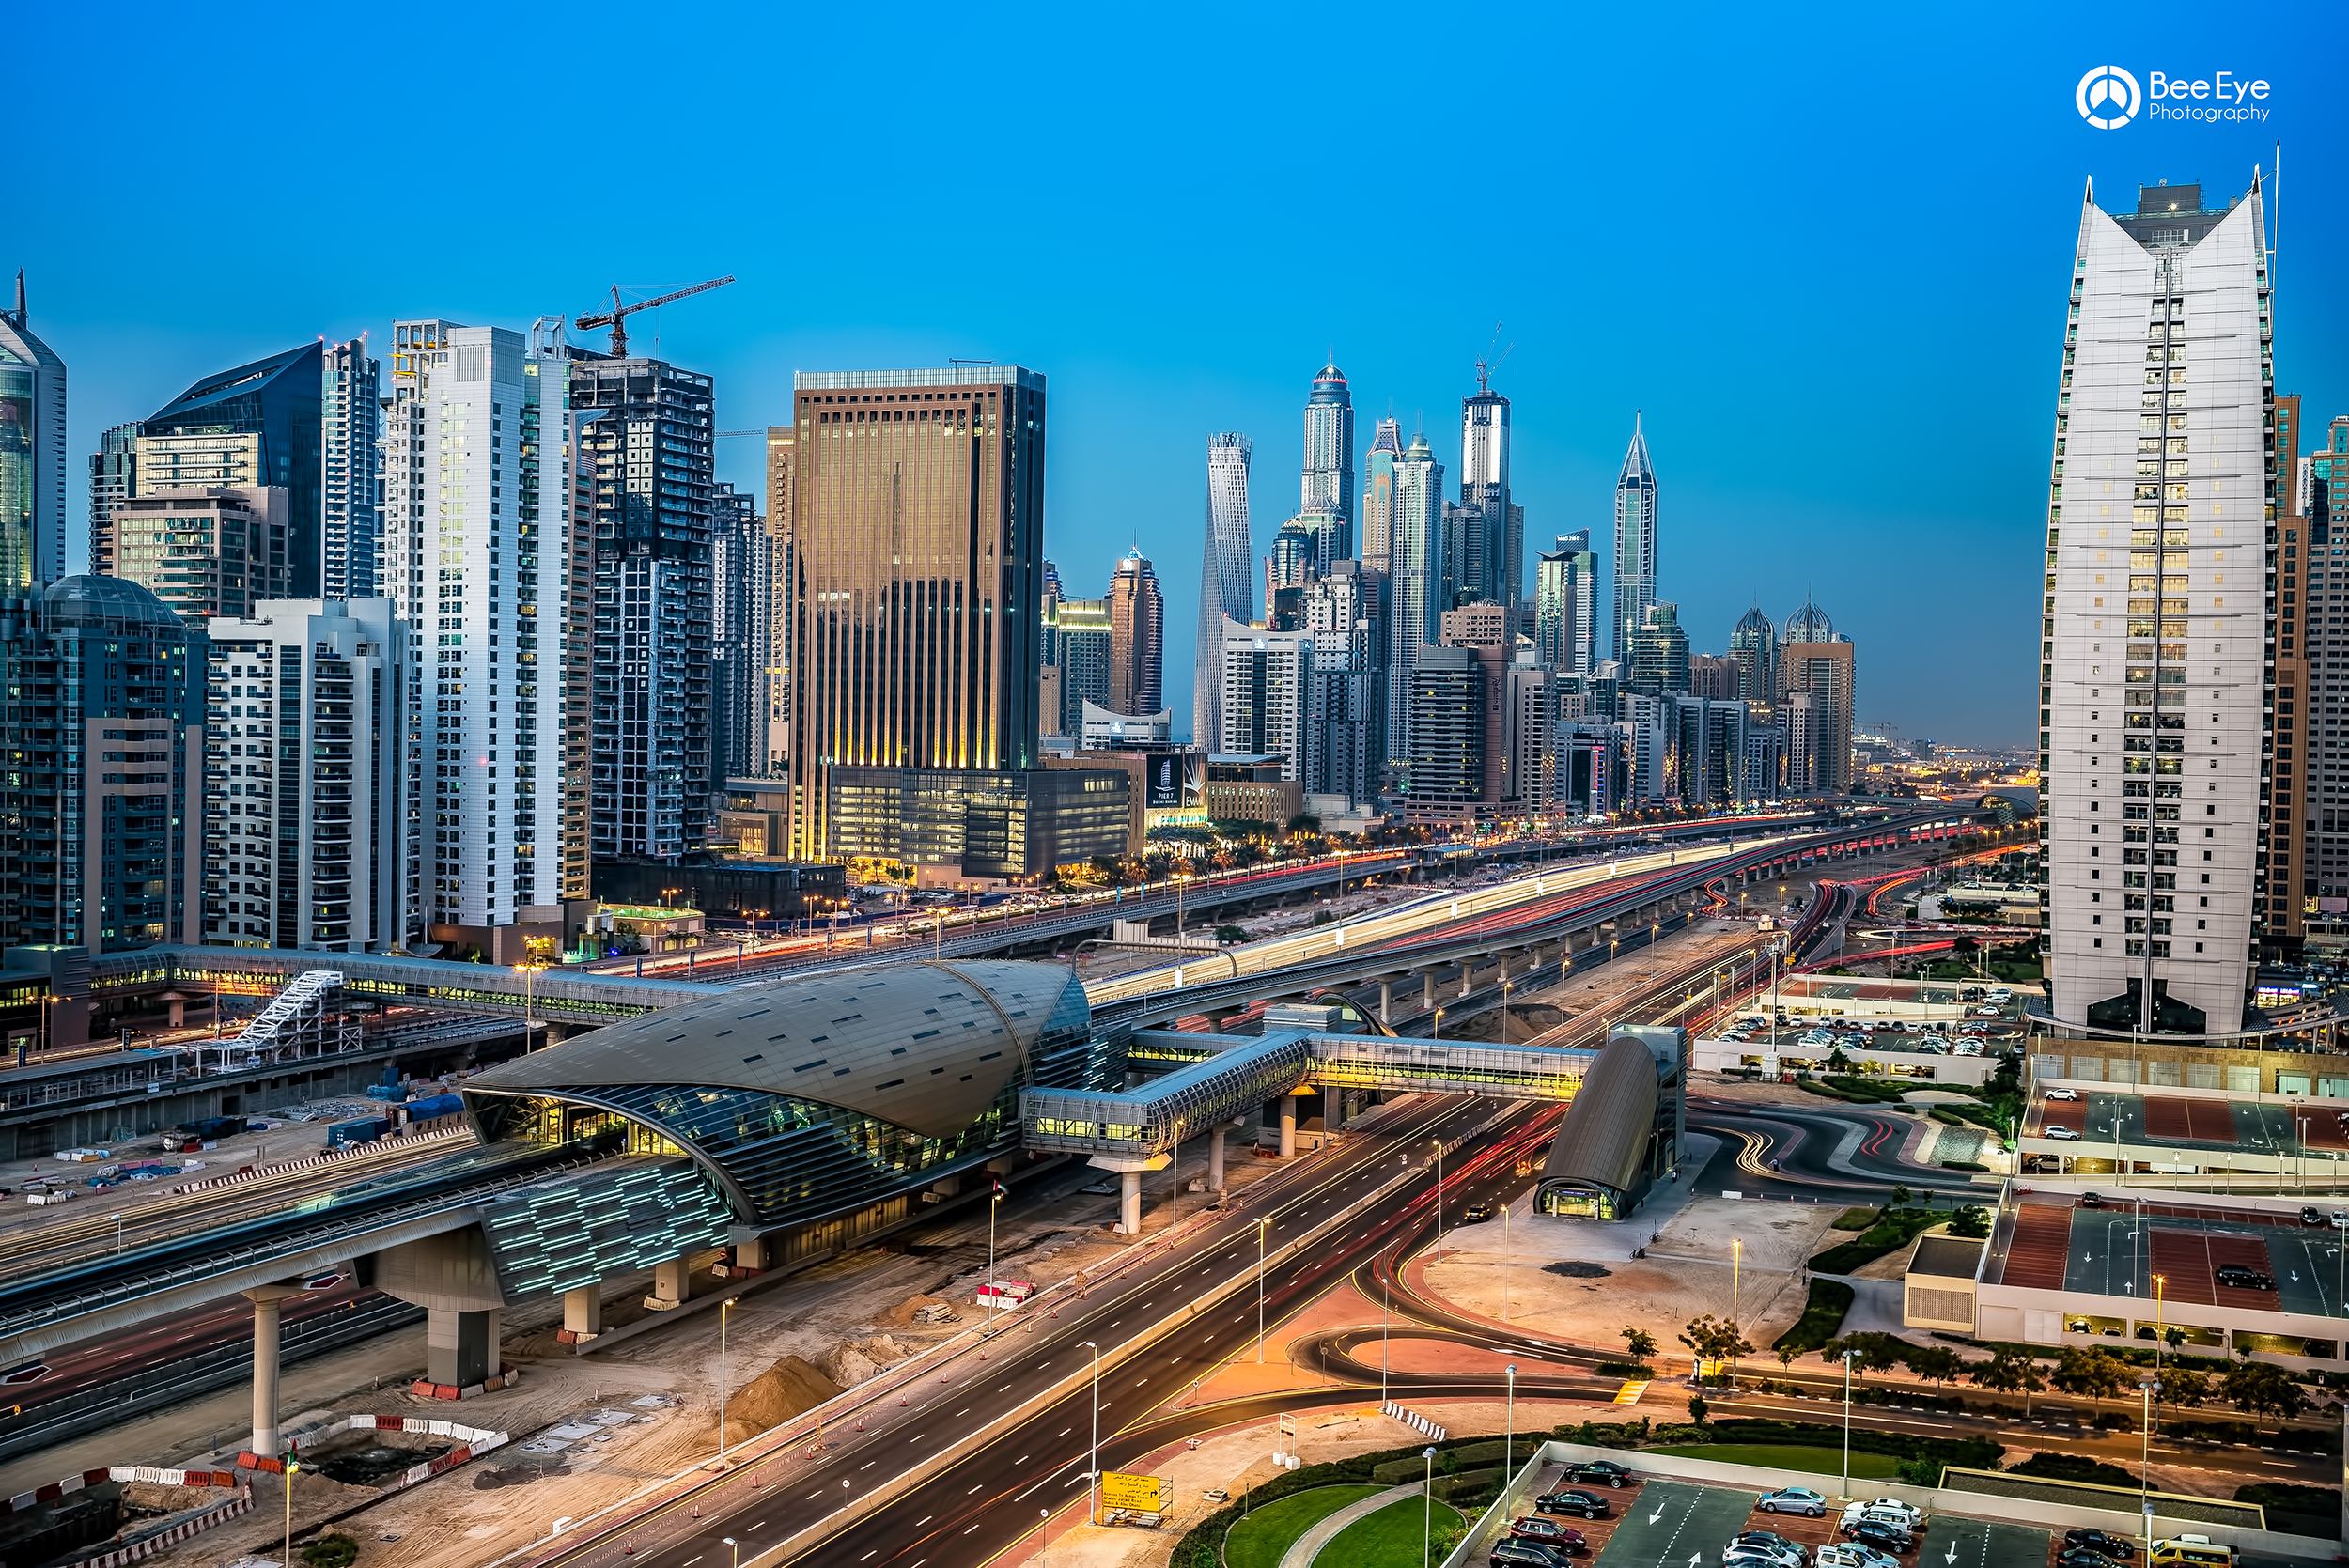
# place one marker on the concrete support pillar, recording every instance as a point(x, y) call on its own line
point(668, 1286)
point(1130, 1202)
point(1386, 1000)
point(1215, 1160)
point(751, 1255)
point(583, 1311)
point(265, 1342)
point(460, 1348)
point(1288, 1126)
point(1427, 998)
point(1504, 969)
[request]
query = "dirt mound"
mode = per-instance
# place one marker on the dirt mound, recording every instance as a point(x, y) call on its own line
point(782, 1391)
point(902, 1313)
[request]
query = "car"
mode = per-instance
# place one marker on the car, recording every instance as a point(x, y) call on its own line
point(1908, 1513)
point(2241, 1277)
point(1509, 1552)
point(2081, 1557)
point(1851, 1554)
point(2061, 1134)
point(2311, 1217)
point(2091, 1200)
point(1534, 1526)
point(1763, 1554)
point(2114, 1547)
point(1768, 1538)
point(1476, 1213)
point(1585, 1505)
point(1605, 1471)
point(1882, 1534)
point(2061, 1094)
point(1793, 1499)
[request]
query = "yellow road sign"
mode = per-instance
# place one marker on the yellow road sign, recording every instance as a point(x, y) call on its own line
point(1629, 1393)
point(1138, 1493)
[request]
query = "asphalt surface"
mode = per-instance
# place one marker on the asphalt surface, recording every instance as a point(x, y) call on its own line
point(986, 1500)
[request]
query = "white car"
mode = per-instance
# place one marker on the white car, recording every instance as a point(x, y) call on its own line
point(1851, 1554)
point(2061, 1094)
point(2061, 1134)
point(1906, 1515)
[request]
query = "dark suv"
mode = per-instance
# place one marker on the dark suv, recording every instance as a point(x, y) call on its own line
point(2098, 1542)
point(2243, 1277)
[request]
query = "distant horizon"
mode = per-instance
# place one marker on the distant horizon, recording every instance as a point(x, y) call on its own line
point(1837, 310)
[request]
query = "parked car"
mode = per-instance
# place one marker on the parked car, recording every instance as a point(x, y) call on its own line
point(1509, 1552)
point(1768, 1538)
point(1534, 1526)
point(2061, 1134)
point(2082, 1556)
point(1774, 1552)
point(1793, 1499)
point(1605, 1471)
point(1584, 1505)
point(2114, 1546)
point(1851, 1554)
point(2061, 1094)
point(2243, 1277)
point(1882, 1534)
point(2311, 1217)
point(2091, 1200)
point(1909, 1514)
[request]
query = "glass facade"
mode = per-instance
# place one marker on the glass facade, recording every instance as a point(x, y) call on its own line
point(918, 527)
point(257, 425)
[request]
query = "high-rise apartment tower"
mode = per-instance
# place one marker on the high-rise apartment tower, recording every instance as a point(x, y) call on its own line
point(2160, 639)
point(1635, 545)
point(32, 454)
point(1227, 580)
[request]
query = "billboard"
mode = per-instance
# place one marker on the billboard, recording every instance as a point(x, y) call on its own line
point(1137, 1494)
point(1164, 789)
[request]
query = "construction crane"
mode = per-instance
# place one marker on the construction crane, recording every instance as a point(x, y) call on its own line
point(617, 317)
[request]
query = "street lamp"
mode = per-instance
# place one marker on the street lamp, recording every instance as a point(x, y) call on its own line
point(1509, 1431)
point(530, 974)
point(723, 1307)
point(1093, 1454)
point(1737, 1277)
point(994, 1201)
point(1427, 1544)
point(1439, 1023)
point(1504, 1263)
point(2145, 1460)
point(1846, 1494)
point(1506, 986)
point(1262, 1222)
point(293, 1466)
point(1438, 1142)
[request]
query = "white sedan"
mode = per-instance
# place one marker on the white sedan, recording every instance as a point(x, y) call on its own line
point(2062, 1093)
point(2061, 1134)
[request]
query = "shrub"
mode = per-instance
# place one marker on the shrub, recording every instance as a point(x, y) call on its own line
point(2072, 1467)
point(331, 1551)
point(1822, 1316)
point(1894, 1228)
point(2299, 1509)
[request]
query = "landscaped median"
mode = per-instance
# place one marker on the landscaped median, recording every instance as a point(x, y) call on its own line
point(1262, 1538)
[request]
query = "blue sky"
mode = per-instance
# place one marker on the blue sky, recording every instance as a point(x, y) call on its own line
point(1826, 257)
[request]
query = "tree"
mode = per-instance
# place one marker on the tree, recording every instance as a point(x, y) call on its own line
point(1972, 1222)
point(1639, 1343)
point(2187, 1388)
point(2262, 1387)
point(1714, 1340)
point(1697, 1408)
point(1900, 1196)
point(2089, 1374)
point(2009, 1371)
point(1870, 1351)
point(1935, 1363)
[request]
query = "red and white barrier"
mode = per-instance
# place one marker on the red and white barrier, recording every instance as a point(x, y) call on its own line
point(472, 1442)
point(163, 1539)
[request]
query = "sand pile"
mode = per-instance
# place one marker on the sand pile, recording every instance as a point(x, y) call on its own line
point(789, 1387)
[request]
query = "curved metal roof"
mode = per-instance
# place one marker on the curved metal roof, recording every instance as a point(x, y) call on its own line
point(925, 1046)
point(1604, 1138)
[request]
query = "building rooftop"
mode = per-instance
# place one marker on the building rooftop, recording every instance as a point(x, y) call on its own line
point(955, 375)
point(1947, 1257)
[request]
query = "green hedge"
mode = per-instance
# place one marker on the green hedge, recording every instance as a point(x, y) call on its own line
point(2296, 1510)
point(2073, 1467)
point(1202, 1545)
point(1821, 1318)
point(1893, 1230)
point(1979, 1453)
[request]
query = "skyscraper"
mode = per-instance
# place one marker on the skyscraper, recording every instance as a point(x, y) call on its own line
point(1328, 481)
point(2162, 481)
point(490, 525)
point(255, 425)
point(1377, 530)
point(1079, 637)
point(918, 522)
point(1344, 612)
point(350, 484)
point(32, 454)
point(649, 756)
point(1566, 606)
point(205, 549)
point(1267, 691)
point(114, 478)
point(1634, 544)
point(782, 609)
point(101, 835)
point(1659, 652)
point(1413, 583)
point(741, 568)
point(1754, 644)
point(1227, 580)
point(1137, 638)
point(309, 814)
point(1488, 556)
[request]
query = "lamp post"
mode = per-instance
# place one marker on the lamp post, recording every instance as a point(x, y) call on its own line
point(2145, 1460)
point(1504, 1263)
point(530, 974)
point(1427, 1544)
point(1093, 1454)
point(1846, 1494)
point(1509, 1431)
point(725, 1307)
point(1385, 1304)
point(1438, 1142)
point(1736, 1279)
point(994, 1199)
point(293, 1466)
point(1506, 986)
point(1261, 1222)
point(1438, 1035)
point(735, 1546)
